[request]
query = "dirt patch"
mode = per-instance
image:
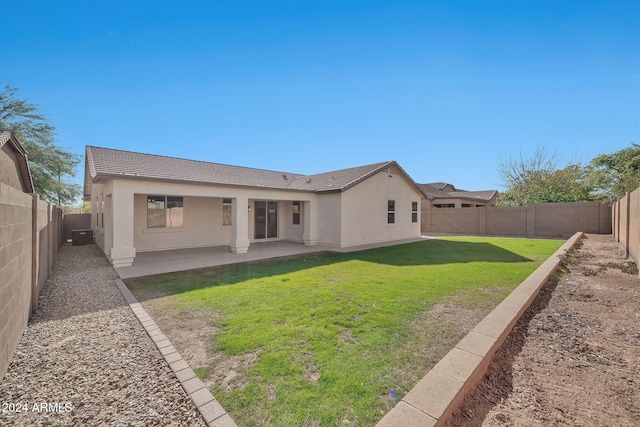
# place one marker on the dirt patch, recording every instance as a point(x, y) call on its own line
point(444, 325)
point(226, 372)
point(192, 332)
point(574, 357)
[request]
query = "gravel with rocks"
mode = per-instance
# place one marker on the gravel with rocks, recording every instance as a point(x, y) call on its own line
point(84, 358)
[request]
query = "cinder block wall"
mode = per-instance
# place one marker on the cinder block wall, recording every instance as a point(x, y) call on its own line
point(72, 222)
point(634, 225)
point(48, 238)
point(626, 223)
point(15, 269)
point(536, 220)
point(30, 235)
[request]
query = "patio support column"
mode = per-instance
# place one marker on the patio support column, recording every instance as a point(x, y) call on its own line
point(122, 252)
point(240, 227)
point(310, 216)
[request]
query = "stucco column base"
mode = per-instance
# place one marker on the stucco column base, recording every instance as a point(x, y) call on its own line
point(309, 242)
point(122, 257)
point(240, 246)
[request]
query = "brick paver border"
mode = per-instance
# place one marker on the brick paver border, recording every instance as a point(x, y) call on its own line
point(212, 412)
point(432, 401)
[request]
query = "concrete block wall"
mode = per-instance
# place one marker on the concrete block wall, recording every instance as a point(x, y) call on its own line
point(30, 235)
point(72, 222)
point(536, 220)
point(625, 213)
point(15, 269)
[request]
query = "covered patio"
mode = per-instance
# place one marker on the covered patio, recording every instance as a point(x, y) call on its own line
point(159, 262)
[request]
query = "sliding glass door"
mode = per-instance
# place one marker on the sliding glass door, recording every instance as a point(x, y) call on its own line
point(265, 219)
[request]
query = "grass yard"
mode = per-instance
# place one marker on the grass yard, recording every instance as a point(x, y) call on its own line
point(335, 339)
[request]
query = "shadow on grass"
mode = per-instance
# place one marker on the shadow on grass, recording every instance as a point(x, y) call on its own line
point(432, 252)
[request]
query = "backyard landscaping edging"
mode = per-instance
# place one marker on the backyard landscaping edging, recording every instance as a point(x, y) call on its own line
point(212, 412)
point(432, 401)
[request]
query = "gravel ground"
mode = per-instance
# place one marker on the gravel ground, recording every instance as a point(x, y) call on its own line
point(84, 359)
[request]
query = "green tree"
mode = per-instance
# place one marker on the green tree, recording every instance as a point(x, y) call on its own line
point(51, 166)
point(537, 179)
point(612, 175)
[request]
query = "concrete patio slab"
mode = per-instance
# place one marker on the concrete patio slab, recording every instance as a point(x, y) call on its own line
point(160, 262)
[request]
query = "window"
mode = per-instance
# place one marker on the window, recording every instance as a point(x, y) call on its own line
point(164, 212)
point(226, 211)
point(296, 213)
point(391, 211)
point(446, 205)
point(414, 211)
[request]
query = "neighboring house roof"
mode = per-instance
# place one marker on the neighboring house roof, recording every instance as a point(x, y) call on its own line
point(432, 191)
point(477, 195)
point(435, 191)
point(444, 186)
point(105, 163)
point(7, 137)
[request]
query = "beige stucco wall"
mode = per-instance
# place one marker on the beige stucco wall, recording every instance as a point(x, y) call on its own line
point(364, 210)
point(287, 230)
point(329, 218)
point(124, 231)
point(202, 226)
point(356, 216)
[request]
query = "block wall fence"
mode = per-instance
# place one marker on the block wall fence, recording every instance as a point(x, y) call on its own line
point(535, 220)
point(625, 214)
point(30, 236)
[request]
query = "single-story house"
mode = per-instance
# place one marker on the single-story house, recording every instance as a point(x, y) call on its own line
point(14, 167)
point(445, 195)
point(144, 202)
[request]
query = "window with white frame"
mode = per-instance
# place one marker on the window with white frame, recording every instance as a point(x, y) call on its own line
point(391, 211)
point(226, 211)
point(165, 212)
point(414, 211)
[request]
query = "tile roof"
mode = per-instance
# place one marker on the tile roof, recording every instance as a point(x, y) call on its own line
point(110, 163)
point(434, 191)
point(477, 195)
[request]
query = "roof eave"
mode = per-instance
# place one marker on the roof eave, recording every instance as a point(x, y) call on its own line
point(107, 176)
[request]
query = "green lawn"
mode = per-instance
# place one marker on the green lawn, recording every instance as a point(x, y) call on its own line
point(331, 335)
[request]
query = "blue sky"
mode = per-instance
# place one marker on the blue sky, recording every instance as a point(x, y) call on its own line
point(445, 88)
